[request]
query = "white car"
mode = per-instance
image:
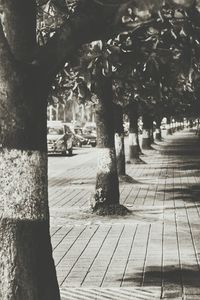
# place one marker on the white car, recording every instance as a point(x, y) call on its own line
point(59, 138)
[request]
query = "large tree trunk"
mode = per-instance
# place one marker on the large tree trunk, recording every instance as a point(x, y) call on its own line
point(27, 269)
point(107, 183)
point(146, 135)
point(134, 147)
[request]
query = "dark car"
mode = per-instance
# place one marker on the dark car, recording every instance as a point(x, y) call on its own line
point(78, 138)
point(89, 133)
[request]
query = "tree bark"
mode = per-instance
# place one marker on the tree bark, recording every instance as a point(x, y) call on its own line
point(169, 129)
point(119, 140)
point(134, 147)
point(146, 135)
point(27, 270)
point(152, 131)
point(107, 184)
point(158, 136)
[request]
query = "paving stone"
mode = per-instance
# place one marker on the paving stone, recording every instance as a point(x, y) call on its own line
point(156, 247)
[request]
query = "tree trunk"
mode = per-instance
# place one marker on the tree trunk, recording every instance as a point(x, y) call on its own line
point(169, 129)
point(107, 184)
point(146, 135)
point(119, 140)
point(119, 145)
point(152, 131)
point(158, 136)
point(134, 147)
point(27, 269)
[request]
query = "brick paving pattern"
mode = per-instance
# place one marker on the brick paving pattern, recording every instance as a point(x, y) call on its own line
point(154, 252)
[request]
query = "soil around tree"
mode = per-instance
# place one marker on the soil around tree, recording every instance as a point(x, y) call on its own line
point(103, 209)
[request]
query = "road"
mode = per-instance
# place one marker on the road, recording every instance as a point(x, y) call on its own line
point(68, 169)
point(72, 171)
point(81, 156)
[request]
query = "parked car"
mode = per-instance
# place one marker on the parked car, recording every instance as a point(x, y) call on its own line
point(78, 137)
point(59, 138)
point(90, 134)
point(91, 138)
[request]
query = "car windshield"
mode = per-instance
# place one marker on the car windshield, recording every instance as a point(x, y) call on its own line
point(78, 131)
point(90, 130)
point(55, 130)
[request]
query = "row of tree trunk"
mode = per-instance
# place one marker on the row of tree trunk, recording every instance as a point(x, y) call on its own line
point(111, 165)
point(27, 270)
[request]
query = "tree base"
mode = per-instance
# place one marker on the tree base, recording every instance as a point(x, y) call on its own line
point(102, 209)
point(147, 148)
point(158, 137)
point(126, 178)
point(169, 131)
point(141, 153)
point(146, 144)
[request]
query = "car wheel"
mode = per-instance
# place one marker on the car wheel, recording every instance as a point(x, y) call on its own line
point(94, 145)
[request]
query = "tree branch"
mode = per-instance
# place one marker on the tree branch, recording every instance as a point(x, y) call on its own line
point(90, 22)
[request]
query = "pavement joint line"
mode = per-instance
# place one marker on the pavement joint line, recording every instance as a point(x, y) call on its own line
point(178, 243)
point(133, 239)
point(112, 255)
point(145, 258)
point(71, 192)
point(69, 200)
point(86, 192)
point(96, 255)
point(80, 255)
point(84, 228)
point(64, 236)
point(56, 231)
point(192, 237)
point(180, 220)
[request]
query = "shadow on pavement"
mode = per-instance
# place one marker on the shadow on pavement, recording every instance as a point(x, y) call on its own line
point(189, 194)
point(172, 274)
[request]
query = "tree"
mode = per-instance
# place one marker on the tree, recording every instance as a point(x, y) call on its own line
point(119, 140)
point(26, 72)
point(27, 270)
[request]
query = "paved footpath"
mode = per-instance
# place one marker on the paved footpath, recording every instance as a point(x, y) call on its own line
point(151, 254)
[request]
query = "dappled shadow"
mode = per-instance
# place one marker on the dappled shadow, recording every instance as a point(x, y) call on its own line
point(189, 194)
point(136, 161)
point(182, 148)
point(172, 274)
point(127, 179)
point(183, 163)
point(150, 148)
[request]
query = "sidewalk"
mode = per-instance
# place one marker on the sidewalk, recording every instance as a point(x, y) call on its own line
point(152, 253)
